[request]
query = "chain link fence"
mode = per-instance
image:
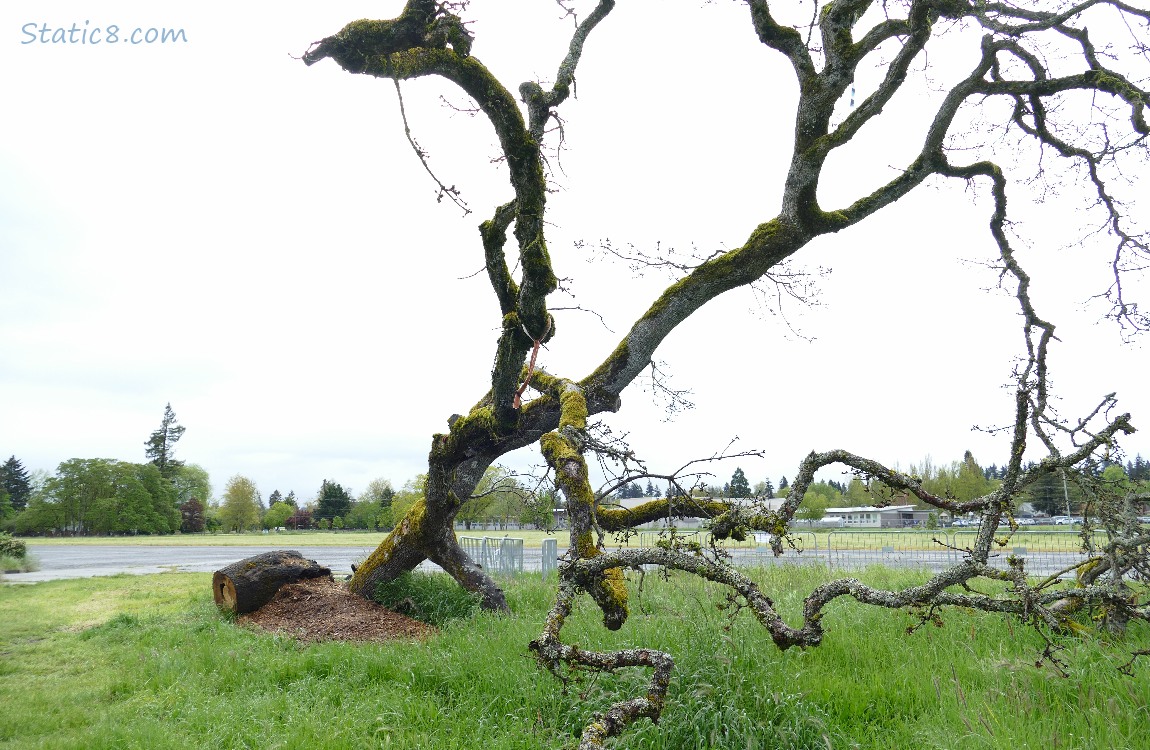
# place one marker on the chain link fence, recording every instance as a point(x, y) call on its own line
point(1043, 553)
point(502, 555)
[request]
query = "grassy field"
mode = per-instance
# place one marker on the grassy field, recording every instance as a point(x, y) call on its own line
point(147, 662)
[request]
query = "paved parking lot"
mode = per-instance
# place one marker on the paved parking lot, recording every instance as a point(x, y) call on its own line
point(85, 561)
point(59, 561)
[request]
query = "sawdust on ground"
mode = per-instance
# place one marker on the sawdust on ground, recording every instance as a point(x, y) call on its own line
point(321, 609)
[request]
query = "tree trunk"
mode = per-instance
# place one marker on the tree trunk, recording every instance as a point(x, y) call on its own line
point(251, 583)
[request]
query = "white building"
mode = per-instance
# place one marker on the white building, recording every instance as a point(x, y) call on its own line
point(870, 517)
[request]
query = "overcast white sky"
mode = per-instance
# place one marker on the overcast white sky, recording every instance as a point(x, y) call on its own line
point(215, 225)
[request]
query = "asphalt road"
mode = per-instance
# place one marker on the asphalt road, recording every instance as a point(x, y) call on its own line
point(58, 561)
point(63, 561)
point(84, 561)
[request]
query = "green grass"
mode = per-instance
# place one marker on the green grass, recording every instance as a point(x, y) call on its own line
point(433, 598)
point(147, 662)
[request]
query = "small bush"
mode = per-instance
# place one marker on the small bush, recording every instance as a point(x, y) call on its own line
point(434, 598)
point(25, 564)
point(10, 547)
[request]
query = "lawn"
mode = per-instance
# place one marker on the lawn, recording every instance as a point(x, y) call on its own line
point(147, 662)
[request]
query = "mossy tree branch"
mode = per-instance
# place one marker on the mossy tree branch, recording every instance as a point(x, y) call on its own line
point(563, 449)
point(427, 39)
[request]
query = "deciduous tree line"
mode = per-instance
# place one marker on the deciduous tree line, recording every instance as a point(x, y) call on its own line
point(108, 496)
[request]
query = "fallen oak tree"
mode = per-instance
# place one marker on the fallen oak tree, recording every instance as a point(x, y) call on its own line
point(1012, 54)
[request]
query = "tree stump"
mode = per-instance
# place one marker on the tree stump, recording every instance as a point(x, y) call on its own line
point(251, 583)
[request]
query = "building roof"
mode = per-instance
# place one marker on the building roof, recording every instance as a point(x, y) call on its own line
point(757, 502)
point(870, 509)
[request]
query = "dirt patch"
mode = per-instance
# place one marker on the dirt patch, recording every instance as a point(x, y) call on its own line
point(321, 609)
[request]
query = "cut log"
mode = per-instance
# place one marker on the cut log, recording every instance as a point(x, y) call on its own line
point(251, 583)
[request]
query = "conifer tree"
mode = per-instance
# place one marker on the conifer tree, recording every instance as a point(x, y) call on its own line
point(739, 486)
point(333, 501)
point(161, 446)
point(14, 480)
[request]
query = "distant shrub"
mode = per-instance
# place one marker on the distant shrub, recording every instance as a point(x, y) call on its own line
point(26, 564)
point(434, 598)
point(10, 547)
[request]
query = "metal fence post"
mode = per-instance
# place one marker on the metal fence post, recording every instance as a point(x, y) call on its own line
point(550, 559)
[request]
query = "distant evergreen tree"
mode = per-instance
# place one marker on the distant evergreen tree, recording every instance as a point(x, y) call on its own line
point(651, 492)
point(161, 446)
point(783, 484)
point(738, 486)
point(629, 490)
point(769, 490)
point(1139, 470)
point(15, 480)
point(274, 498)
point(290, 499)
point(333, 501)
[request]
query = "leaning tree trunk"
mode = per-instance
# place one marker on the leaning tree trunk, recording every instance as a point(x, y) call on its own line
point(251, 583)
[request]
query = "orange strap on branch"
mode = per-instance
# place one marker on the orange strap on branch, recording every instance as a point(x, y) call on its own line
point(518, 400)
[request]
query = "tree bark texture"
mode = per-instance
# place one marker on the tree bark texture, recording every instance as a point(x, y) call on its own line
point(251, 583)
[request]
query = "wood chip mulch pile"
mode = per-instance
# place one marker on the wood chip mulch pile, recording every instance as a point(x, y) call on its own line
point(321, 609)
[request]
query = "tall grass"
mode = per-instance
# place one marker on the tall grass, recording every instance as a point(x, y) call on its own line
point(22, 564)
point(147, 662)
point(434, 598)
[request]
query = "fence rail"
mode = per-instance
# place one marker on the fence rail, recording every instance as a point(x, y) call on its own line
point(1042, 552)
point(495, 554)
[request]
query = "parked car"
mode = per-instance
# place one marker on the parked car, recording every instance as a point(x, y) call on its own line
point(1026, 521)
point(1061, 520)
